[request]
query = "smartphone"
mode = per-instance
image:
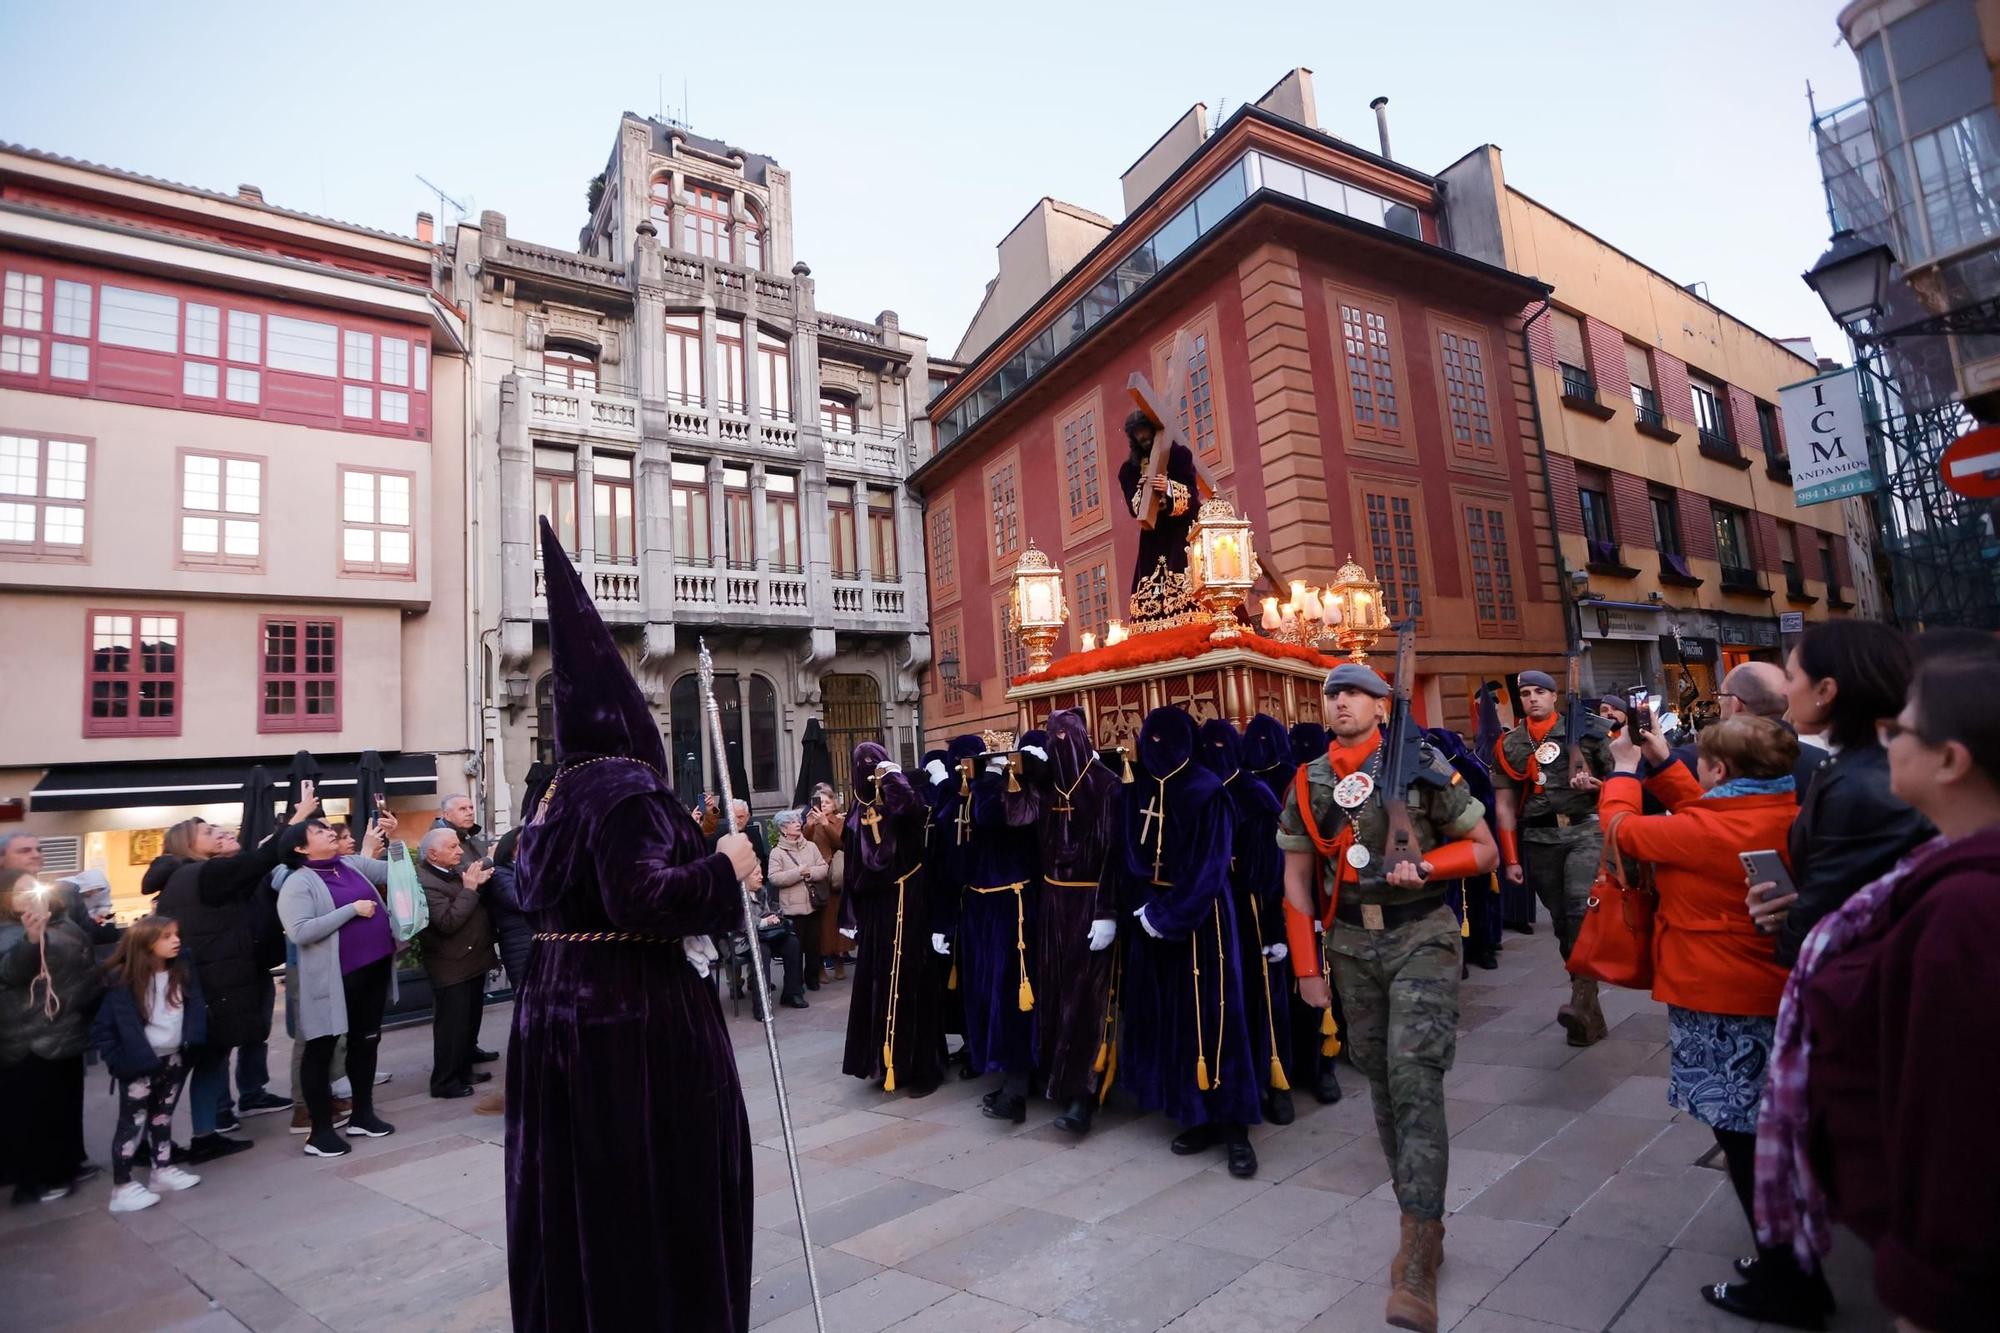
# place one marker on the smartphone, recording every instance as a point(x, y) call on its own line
point(1641, 715)
point(1759, 867)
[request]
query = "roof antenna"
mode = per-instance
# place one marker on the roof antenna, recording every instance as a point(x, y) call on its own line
point(443, 199)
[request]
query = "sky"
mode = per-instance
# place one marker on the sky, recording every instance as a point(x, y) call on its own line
point(918, 134)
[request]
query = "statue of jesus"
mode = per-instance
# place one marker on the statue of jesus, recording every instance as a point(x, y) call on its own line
point(1167, 539)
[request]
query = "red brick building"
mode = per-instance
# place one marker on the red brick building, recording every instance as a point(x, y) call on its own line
point(1356, 387)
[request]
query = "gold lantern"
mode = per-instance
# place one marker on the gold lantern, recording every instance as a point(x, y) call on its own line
point(1222, 566)
point(1037, 609)
point(1363, 619)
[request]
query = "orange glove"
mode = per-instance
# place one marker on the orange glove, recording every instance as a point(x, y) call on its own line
point(1510, 847)
point(1301, 941)
point(1454, 860)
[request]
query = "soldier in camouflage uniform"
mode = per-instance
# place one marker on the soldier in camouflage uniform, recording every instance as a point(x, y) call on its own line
point(1393, 948)
point(1548, 828)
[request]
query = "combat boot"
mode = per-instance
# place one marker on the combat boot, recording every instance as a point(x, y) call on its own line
point(1581, 1017)
point(1413, 1295)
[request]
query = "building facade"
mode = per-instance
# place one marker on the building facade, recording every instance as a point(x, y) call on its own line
point(1358, 387)
point(231, 508)
point(725, 461)
point(1668, 470)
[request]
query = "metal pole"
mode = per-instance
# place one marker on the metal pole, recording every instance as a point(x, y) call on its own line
point(750, 922)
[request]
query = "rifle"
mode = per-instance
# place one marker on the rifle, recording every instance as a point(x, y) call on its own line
point(1574, 720)
point(1402, 757)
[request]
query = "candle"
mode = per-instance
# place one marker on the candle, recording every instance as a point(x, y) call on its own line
point(1039, 599)
point(1089, 641)
point(1271, 617)
point(1330, 608)
point(1114, 633)
point(1226, 563)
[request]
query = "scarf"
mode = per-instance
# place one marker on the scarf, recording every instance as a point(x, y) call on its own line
point(1750, 787)
point(1531, 772)
point(1345, 760)
point(1790, 1207)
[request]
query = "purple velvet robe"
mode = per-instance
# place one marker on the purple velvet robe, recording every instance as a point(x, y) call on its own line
point(628, 1151)
point(996, 930)
point(1076, 836)
point(1257, 884)
point(1169, 1016)
point(888, 898)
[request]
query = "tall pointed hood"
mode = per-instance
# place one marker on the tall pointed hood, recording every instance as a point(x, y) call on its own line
point(599, 708)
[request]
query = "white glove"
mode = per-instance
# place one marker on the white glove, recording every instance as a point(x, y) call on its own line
point(1102, 932)
point(997, 764)
point(938, 945)
point(1278, 952)
point(1036, 751)
point(939, 774)
point(848, 934)
point(887, 766)
point(1141, 914)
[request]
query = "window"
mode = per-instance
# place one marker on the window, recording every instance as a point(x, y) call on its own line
point(1666, 524)
point(1463, 362)
point(1392, 543)
point(611, 504)
point(299, 676)
point(396, 361)
point(302, 345)
point(1373, 408)
point(882, 562)
point(1732, 547)
point(132, 683)
point(774, 377)
point(149, 321)
point(375, 533)
point(948, 651)
point(1768, 434)
point(781, 519)
point(357, 400)
point(22, 307)
point(73, 313)
point(690, 502)
point(569, 370)
point(358, 354)
point(944, 555)
point(738, 529)
point(1709, 415)
point(242, 385)
point(1593, 493)
point(245, 337)
point(1013, 653)
point(1082, 465)
point(42, 494)
point(222, 506)
point(545, 719)
point(395, 407)
point(1492, 568)
point(1827, 567)
point(69, 361)
point(763, 724)
point(660, 204)
point(705, 221)
point(753, 729)
point(200, 381)
point(1006, 511)
point(204, 329)
point(684, 358)
point(1090, 598)
point(20, 356)
point(555, 493)
point(1198, 401)
point(422, 353)
point(836, 415)
point(1639, 370)
point(751, 233)
point(1788, 557)
point(840, 523)
point(729, 382)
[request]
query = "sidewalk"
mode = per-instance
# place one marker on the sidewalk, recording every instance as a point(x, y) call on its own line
point(1577, 1194)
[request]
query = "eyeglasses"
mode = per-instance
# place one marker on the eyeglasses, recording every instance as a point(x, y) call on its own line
point(1888, 729)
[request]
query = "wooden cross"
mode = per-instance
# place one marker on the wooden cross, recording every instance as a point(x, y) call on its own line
point(873, 819)
point(1165, 411)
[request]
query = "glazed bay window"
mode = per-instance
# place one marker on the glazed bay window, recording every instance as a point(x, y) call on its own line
point(611, 506)
point(303, 346)
point(704, 211)
point(738, 527)
point(222, 511)
point(132, 682)
point(375, 535)
point(43, 490)
point(148, 321)
point(690, 504)
point(684, 359)
point(299, 676)
point(781, 521)
point(555, 492)
point(840, 530)
point(882, 536)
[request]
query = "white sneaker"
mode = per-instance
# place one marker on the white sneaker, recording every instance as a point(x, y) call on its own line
point(167, 1178)
point(344, 1089)
point(132, 1196)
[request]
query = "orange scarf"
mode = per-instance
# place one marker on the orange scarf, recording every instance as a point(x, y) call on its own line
point(1345, 761)
point(1537, 733)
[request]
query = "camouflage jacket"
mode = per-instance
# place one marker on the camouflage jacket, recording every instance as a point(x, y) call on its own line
point(1438, 814)
point(1556, 796)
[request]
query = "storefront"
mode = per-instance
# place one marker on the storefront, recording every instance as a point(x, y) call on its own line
point(1623, 640)
point(113, 817)
point(1746, 639)
point(1689, 658)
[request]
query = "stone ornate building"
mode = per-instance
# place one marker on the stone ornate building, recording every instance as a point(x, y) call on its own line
point(725, 460)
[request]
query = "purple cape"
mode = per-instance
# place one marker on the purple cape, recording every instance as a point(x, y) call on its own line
point(888, 898)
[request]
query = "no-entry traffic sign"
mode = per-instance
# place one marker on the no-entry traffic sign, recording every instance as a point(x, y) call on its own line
point(1972, 464)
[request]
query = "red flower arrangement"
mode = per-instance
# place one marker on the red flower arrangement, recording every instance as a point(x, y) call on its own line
point(1145, 647)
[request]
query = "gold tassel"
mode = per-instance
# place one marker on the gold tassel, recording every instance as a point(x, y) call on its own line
point(1026, 999)
point(951, 982)
point(1201, 1072)
point(1103, 1058)
point(1465, 926)
point(888, 1063)
point(1330, 1033)
point(1027, 996)
point(1127, 758)
point(1107, 1047)
point(1278, 1080)
point(1013, 776)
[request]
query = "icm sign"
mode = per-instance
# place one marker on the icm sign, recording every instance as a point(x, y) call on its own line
point(1825, 436)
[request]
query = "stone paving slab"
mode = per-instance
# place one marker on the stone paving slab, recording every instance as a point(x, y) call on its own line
point(1579, 1198)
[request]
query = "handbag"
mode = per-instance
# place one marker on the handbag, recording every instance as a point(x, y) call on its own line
point(409, 910)
point(1614, 944)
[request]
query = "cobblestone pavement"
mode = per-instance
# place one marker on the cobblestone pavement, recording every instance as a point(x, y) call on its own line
point(1578, 1200)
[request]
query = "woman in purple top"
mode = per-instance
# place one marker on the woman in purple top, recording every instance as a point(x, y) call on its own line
point(332, 911)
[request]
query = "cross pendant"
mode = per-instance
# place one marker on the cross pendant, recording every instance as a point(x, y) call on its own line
point(1064, 810)
point(873, 818)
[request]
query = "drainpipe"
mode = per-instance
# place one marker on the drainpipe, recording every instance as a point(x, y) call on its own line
point(476, 696)
point(1380, 106)
point(1572, 624)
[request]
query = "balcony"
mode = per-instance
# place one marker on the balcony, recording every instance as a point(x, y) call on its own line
point(1795, 586)
point(881, 607)
point(870, 450)
point(1740, 580)
point(615, 587)
point(1722, 449)
point(602, 413)
point(1579, 392)
point(704, 594)
point(1606, 559)
point(1778, 466)
point(1675, 571)
point(1649, 420)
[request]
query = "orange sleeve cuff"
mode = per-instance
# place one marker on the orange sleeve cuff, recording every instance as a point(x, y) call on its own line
point(1454, 860)
point(1302, 942)
point(1510, 847)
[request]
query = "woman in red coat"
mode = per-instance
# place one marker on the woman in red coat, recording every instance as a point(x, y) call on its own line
point(1717, 973)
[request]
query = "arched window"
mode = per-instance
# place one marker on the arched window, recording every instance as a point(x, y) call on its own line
point(545, 718)
point(569, 368)
point(763, 725)
point(685, 750)
point(853, 704)
point(705, 221)
point(749, 731)
point(659, 206)
point(753, 241)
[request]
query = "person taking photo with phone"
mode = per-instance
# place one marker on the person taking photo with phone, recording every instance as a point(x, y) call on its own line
point(1716, 972)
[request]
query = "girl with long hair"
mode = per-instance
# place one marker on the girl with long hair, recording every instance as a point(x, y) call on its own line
point(152, 1013)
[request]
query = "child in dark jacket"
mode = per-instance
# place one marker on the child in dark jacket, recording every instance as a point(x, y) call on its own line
point(151, 1014)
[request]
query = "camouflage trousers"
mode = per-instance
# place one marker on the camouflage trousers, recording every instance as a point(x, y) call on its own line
point(1561, 865)
point(1400, 990)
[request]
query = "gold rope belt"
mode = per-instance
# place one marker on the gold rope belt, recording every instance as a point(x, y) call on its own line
point(1025, 1000)
point(602, 937)
point(1070, 883)
point(900, 879)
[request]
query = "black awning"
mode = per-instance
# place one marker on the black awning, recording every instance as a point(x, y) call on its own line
point(212, 781)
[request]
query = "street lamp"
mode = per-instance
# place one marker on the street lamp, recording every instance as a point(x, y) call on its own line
point(1852, 279)
point(1363, 618)
point(948, 670)
point(1222, 565)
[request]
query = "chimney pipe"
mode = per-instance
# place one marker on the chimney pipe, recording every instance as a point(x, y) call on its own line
point(1380, 106)
point(426, 228)
point(250, 193)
